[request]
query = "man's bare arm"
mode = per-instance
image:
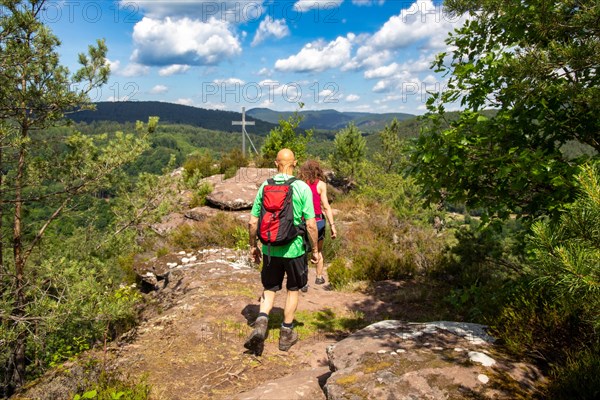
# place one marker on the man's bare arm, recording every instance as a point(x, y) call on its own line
point(313, 233)
point(252, 234)
point(253, 230)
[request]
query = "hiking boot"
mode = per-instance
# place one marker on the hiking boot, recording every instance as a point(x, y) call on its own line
point(320, 280)
point(304, 289)
point(287, 338)
point(256, 341)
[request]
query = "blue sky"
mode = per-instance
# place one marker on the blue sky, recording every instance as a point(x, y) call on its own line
point(350, 55)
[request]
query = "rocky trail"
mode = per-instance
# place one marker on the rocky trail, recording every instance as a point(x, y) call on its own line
point(374, 343)
point(191, 345)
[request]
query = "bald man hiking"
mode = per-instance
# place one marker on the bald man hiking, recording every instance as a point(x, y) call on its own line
point(282, 213)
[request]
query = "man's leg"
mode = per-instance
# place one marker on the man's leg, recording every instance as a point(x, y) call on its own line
point(266, 301)
point(296, 279)
point(272, 278)
point(291, 304)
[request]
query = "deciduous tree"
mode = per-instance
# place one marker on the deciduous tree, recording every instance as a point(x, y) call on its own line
point(536, 63)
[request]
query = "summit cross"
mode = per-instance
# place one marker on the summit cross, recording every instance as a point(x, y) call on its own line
point(243, 123)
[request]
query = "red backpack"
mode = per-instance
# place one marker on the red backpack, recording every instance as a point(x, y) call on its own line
point(276, 221)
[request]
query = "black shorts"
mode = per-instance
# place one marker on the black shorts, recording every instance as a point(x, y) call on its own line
point(274, 269)
point(321, 229)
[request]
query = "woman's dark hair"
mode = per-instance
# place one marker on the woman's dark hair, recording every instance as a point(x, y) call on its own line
point(310, 171)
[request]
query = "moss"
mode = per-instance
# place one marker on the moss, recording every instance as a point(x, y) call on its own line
point(347, 380)
point(370, 366)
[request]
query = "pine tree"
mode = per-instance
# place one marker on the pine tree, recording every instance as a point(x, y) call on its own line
point(39, 169)
point(349, 154)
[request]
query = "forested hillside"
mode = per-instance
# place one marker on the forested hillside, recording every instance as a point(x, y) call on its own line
point(131, 111)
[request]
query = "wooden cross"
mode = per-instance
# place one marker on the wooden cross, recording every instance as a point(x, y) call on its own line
point(243, 123)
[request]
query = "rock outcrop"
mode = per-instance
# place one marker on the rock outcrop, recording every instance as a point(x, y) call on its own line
point(238, 193)
point(438, 360)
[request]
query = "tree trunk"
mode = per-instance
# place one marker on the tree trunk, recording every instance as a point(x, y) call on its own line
point(18, 375)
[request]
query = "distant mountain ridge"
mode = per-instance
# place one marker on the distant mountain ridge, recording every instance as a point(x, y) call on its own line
point(265, 119)
point(331, 119)
point(131, 111)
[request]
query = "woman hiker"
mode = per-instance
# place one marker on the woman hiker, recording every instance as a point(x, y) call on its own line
point(312, 174)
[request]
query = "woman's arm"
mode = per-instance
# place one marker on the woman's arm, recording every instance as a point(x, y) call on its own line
point(326, 208)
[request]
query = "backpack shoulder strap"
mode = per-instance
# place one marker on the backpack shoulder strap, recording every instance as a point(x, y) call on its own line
point(291, 180)
point(271, 181)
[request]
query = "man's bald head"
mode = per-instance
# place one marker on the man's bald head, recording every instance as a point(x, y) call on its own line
point(286, 161)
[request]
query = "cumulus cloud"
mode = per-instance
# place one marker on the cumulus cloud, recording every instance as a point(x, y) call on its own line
point(185, 101)
point(183, 41)
point(229, 81)
point(367, 2)
point(234, 11)
point(113, 65)
point(270, 27)
point(382, 72)
point(159, 89)
point(306, 5)
point(265, 72)
point(422, 21)
point(132, 70)
point(173, 69)
point(318, 56)
point(351, 98)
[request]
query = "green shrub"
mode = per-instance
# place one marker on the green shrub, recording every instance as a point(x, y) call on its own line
point(242, 238)
point(222, 230)
point(578, 379)
point(112, 387)
point(339, 274)
point(199, 197)
point(197, 166)
point(231, 162)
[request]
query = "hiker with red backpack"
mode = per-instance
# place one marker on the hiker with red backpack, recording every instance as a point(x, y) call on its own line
point(312, 173)
point(281, 218)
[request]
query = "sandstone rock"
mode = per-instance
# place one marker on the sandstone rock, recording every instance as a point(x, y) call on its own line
point(168, 223)
point(301, 385)
point(399, 360)
point(238, 193)
point(200, 213)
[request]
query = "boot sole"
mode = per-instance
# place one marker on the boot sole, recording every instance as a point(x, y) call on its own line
point(255, 344)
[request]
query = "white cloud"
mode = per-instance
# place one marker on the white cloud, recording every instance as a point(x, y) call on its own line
point(306, 5)
point(265, 72)
point(133, 70)
point(229, 81)
point(368, 57)
point(183, 41)
point(367, 2)
point(382, 72)
point(383, 86)
point(185, 101)
point(422, 21)
point(213, 106)
point(173, 69)
point(270, 27)
point(269, 82)
point(234, 11)
point(159, 89)
point(318, 56)
point(351, 98)
point(113, 65)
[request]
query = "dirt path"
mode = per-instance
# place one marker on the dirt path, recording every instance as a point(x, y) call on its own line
point(191, 345)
